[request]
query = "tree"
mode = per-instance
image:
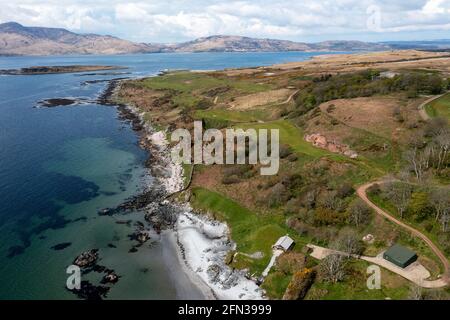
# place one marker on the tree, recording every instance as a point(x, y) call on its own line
point(436, 126)
point(440, 201)
point(359, 213)
point(445, 220)
point(418, 161)
point(415, 293)
point(332, 268)
point(331, 201)
point(419, 205)
point(348, 242)
point(400, 195)
point(442, 144)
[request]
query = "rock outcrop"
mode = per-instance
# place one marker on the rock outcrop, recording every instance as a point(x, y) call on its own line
point(322, 142)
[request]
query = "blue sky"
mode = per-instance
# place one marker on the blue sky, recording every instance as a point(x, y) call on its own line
point(181, 20)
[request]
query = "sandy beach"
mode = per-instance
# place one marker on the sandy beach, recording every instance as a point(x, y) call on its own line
point(195, 249)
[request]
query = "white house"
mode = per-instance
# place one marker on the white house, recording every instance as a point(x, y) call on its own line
point(285, 243)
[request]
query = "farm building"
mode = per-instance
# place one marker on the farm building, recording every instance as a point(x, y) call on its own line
point(285, 243)
point(400, 256)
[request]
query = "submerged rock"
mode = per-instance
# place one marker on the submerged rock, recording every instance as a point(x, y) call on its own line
point(88, 291)
point(61, 246)
point(111, 277)
point(86, 259)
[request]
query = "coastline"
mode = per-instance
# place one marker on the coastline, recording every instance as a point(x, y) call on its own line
point(201, 244)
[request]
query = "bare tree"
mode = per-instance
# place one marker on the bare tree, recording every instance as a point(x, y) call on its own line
point(348, 242)
point(440, 200)
point(359, 213)
point(331, 201)
point(442, 144)
point(415, 293)
point(418, 161)
point(445, 219)
point(332, 268)
point(400, 194)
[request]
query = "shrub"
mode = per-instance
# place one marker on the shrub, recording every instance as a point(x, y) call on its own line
point(300, 284)
point(333, 268)
point(230, 179)
point(334, 122)
point(345, 190)
point(291, 262)
point(331, 108)
point(278, 195)
point(375, 189)
point(292, 157)
point(285, 151)
point(204, 104)
point(324, 216)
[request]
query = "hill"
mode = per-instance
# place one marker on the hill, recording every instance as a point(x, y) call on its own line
point(16, 39)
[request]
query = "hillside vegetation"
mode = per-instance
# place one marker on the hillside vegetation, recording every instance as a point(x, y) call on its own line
point(312, 198)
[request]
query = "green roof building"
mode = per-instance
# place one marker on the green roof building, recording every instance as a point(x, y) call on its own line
point(400, 256)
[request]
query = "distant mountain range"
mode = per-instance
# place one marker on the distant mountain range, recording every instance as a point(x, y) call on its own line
point(16, 39)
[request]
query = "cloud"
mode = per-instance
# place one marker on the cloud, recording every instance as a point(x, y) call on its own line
point(179, 20)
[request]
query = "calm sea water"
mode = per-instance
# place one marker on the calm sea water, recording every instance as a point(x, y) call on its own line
point(58, 166)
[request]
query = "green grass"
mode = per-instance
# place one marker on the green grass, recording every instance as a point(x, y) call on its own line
point(294, 137)
point(275, 284)
point(187, 171)
point(232, 116)
point(186, 82)
point(439, 107)
point(355, 288)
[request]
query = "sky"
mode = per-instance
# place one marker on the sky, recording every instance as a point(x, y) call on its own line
point(167, 21)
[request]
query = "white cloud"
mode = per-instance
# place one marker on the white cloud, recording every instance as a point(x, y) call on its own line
point(177, 20)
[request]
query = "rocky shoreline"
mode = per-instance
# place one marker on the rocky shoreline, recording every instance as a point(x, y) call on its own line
point(205, 269)
point(38, 70)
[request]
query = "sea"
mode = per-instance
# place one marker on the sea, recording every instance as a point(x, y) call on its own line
point(60, 166)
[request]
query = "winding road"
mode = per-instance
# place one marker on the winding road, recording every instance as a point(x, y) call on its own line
point(422, 111)
point(362, 193)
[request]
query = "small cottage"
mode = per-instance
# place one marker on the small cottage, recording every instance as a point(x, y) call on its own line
point(285, 243)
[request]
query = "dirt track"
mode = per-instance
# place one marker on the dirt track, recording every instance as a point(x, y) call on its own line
point(361, 191)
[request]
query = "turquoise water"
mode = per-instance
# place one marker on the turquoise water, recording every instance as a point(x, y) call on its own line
point(59, 166)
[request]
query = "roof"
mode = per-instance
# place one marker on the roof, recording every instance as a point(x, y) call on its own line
point(400, 253)
point(285, 242)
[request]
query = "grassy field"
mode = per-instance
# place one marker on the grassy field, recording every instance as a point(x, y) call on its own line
point(294, 137)
point(251, 231)
point(189, 82)
point(233, 116)
point(439, 107)
point(355, 287)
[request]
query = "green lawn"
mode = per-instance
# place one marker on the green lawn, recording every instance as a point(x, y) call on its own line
point(187, 82)
point(439, 107)
point(232, 116)
point(251, 231)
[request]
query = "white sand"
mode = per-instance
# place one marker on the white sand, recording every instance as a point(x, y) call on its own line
point(172, 179)
point(206, 244)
